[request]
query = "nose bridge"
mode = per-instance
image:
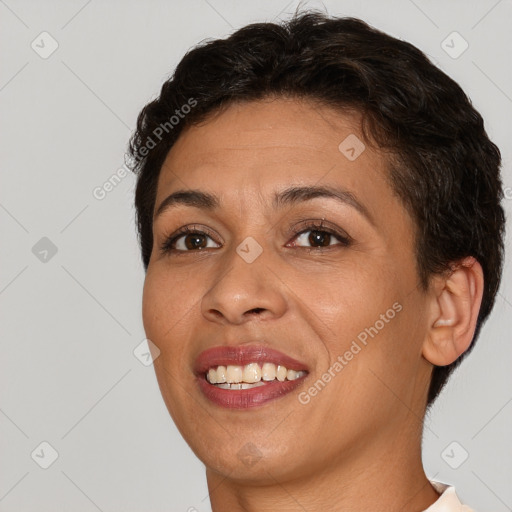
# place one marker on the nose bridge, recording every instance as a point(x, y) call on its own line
point(246, 286)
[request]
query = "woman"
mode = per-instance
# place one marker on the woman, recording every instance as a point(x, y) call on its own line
point(320, 222)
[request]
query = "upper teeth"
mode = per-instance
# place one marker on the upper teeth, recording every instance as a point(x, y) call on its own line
point(251, 373)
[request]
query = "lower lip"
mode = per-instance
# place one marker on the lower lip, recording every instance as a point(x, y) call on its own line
point(247, 398)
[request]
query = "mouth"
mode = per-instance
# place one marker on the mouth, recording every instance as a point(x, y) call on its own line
point(247, 376)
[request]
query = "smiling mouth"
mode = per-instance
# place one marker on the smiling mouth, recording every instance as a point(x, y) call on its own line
point(246, 376)
point(251, 375)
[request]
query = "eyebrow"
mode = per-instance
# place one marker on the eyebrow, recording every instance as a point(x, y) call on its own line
point(288, 196)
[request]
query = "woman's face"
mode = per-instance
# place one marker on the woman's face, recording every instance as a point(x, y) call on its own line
point(341, 299)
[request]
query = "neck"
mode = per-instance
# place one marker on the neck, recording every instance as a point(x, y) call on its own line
point(389, 477)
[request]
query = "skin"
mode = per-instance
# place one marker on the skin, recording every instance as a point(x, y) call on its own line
point(357, 444)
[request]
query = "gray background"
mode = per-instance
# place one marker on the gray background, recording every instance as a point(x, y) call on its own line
point(71, 320)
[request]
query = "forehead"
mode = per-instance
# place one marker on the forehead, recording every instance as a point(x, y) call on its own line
point(267, 143)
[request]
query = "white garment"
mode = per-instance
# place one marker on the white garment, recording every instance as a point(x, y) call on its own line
point(448, 501)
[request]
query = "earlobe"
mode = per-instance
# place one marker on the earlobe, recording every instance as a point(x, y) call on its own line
point(455, 304)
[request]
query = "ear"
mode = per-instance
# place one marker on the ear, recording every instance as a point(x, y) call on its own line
point(454, 308)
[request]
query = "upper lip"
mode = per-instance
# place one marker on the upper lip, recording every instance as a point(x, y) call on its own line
point(242, 355)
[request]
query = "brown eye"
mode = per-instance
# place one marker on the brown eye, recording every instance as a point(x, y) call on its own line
point(192, 241)
point(321, 238)
point(188, 240)
point(195, 241)
point(317, 238)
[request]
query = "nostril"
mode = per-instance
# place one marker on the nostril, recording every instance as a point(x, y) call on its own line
point(256, 310)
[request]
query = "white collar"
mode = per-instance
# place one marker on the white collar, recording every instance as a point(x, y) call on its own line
point(448, 501)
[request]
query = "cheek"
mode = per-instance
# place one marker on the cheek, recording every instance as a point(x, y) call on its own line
point(373, 323)
point(167, 300)
point(352, 299)
point(167, 304)
point(387, 368)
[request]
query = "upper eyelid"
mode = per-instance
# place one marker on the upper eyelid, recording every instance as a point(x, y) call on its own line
point(305, 225)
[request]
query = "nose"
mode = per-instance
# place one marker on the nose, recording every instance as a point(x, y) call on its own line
point(244, 292)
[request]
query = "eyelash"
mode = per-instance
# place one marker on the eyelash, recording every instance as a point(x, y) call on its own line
point(167, 246)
